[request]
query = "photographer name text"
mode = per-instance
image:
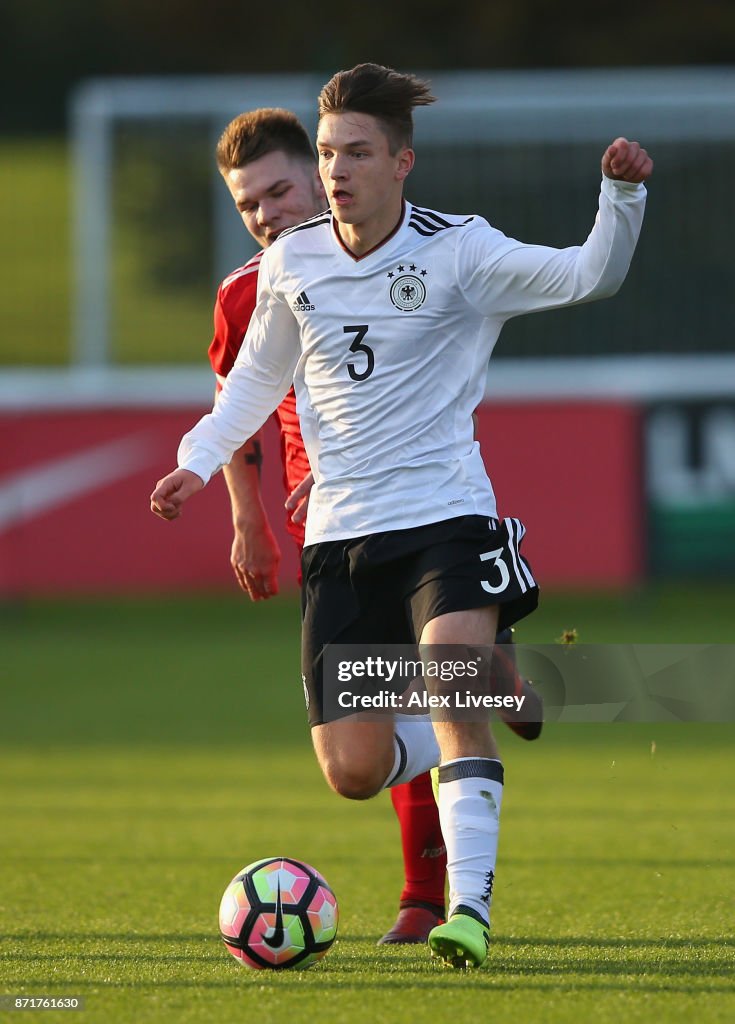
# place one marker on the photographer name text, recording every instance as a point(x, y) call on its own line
point(427, 701)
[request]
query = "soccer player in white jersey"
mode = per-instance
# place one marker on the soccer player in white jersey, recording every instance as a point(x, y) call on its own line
point(270, 168)
point(385, 315)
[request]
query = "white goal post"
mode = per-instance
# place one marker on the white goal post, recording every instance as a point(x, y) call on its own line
point(672, 107)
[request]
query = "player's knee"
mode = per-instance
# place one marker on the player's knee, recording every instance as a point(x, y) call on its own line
point(355, 764)
point(353, 781)
point(353, 788)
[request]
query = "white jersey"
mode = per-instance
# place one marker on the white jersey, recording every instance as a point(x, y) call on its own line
point(389, 352)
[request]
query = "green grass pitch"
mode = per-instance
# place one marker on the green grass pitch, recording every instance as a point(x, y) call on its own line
point(151, 748)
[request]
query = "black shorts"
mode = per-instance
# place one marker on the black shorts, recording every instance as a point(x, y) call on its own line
point(385, 587)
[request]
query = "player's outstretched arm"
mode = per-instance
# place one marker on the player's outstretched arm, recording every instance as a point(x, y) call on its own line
point(503, 277)
point(172, 491)
point(626, 161)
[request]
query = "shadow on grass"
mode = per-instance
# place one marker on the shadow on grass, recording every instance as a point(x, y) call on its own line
point(560, 942)
point(326, 979)
point(560, 964)
point(665, 942)
point(125, 958)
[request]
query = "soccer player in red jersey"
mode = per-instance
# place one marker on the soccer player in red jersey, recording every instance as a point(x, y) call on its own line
point(268, 164)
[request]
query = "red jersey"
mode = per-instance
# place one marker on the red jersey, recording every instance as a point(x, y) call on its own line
point(232, 312)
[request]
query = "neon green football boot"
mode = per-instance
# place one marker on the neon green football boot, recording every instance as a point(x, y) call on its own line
point(463, 941)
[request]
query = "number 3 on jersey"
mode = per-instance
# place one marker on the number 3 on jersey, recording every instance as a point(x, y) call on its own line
point(499, 564)
point(359, 346)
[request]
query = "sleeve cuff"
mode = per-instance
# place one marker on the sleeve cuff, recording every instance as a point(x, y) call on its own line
point(614, 189)
point(201, 465)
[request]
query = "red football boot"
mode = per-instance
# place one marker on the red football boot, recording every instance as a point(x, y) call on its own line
point(413, 925)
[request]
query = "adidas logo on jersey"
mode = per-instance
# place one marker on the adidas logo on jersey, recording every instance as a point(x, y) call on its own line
point(302, 304)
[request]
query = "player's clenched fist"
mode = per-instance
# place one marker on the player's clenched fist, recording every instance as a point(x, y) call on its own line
point(171, 493)
point(626, 161)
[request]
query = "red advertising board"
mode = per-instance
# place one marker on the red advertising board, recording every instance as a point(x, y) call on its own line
point(74, 489)
point(572, 472)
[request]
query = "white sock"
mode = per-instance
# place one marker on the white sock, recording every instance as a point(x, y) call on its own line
point(415, 747)
point(470, 794)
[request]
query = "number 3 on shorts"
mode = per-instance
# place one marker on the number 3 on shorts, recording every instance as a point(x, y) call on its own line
point(502, 568)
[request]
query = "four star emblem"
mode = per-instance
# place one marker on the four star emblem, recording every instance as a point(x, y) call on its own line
point(401, 269)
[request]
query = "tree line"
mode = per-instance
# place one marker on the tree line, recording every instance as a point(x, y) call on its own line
point(46, 46)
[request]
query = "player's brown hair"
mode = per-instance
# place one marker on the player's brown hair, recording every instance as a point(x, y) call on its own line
point(258, 132)
point(386, 94)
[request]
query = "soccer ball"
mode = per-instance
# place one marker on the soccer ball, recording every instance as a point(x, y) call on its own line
point(278, 913)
